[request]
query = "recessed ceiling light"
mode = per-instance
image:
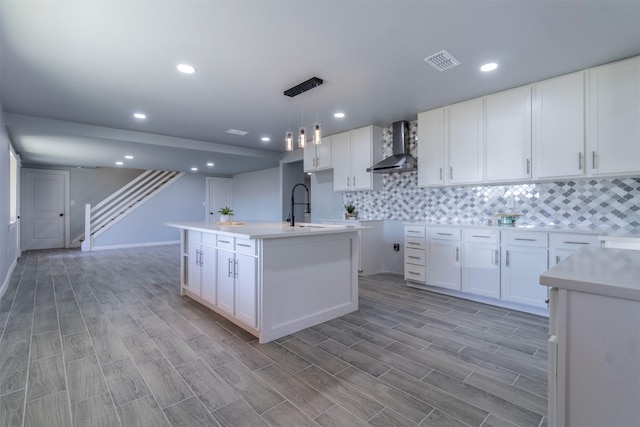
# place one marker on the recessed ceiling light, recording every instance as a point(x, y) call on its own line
point(210, 164)
point(194, 169)
point(489, 67)
point(265, 139)
point(237, 132)
point(119, 163)
point(128, 157)
point(338, 115)
point(186, 68)
point(140, 116)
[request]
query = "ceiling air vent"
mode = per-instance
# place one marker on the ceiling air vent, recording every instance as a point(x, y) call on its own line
point(442, 61)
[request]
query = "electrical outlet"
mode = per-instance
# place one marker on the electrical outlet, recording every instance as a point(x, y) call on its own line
point(396, 247)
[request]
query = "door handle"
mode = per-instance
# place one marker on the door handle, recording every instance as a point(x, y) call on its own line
point(61, 214)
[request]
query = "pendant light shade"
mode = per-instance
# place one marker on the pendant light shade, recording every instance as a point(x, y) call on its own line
point(288, 141)
point(302, 139)
point(317, 136)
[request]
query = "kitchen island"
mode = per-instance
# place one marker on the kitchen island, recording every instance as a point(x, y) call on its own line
point(594, 348)
point(269, 278)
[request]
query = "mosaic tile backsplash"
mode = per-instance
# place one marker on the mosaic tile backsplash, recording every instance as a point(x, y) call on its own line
point(613, 203)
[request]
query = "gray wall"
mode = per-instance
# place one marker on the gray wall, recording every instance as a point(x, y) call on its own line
point(183, 200)
point(256, 196)
point(8, 234)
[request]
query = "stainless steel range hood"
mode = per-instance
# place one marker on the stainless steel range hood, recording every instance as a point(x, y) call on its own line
point(401, 160)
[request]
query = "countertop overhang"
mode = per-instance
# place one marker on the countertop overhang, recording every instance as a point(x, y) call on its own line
point(264, 229)
point(602, 271)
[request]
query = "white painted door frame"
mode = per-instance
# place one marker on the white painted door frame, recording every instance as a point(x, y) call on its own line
point(27, 213)
point(216, 189)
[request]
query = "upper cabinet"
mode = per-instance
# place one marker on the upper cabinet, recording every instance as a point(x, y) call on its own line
point(318, 157)
point(466, 148)
point(431, 146)
point(558, 127)
point(352, 153)
point(508, 135)
point(613, 137)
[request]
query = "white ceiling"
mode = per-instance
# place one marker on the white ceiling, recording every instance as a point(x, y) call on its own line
point(73, 72)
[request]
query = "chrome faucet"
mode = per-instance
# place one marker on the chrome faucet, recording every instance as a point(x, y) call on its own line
point(293, 203)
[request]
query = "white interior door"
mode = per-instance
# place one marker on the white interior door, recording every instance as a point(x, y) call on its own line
point(218, 196)
point(44, 209)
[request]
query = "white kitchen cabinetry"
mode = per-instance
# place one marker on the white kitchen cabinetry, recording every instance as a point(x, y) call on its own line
point(465, 145)
point(561, 245)
point(431, 147)
point(524, 258)
point(415, 253)
point(201, 265)
point(317, 157)
point(352, 153)
point(237, 280)
point(508, 135)
point(444, 257)
point(558, 127)
point(481, 262)
point(614, 118)
point(370, 244)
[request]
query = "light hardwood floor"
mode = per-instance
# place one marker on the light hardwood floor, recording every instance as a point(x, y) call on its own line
point(104, 339)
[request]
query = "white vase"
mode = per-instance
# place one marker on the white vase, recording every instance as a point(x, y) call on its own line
point(225, 218)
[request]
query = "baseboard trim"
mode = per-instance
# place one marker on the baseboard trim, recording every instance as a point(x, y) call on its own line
point(135, 245)
point(7, 279)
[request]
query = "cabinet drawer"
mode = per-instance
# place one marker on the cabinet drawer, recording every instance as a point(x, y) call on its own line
point(414, 243)
point(525, 238)
point(247, 247)
point(225, 242)
point(481, 235)
point(414, 231)
point(209, 239)
point(415, 273)
point(444, 233)
point(415, 256)
point(572, 240)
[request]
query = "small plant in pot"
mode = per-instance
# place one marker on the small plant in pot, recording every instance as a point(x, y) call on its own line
point(351, 212)
point(225, 214)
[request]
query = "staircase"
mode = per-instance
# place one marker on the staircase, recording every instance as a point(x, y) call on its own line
point(110, 211)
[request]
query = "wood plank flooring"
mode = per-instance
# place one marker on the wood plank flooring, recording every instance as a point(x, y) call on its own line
point(104, 339)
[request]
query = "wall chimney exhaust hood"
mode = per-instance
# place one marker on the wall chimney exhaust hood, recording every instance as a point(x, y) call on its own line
point(401, 160)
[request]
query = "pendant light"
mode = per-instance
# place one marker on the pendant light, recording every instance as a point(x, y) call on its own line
point(288, 138)
point(317, 137)
point(302, 139)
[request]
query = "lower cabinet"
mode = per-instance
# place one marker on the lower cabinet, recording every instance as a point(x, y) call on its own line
point(524, 259)
point(561, 245)
point(415, 253)
point(247, 289)
point(481, 262)
point(201, 264)
point(444, 258)
point(226, 282)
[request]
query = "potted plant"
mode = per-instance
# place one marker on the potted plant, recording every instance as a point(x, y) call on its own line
point(225, 214)
point(351, 212)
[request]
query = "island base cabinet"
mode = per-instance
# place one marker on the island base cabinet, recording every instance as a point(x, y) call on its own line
point(246, 289)
point(226, 282)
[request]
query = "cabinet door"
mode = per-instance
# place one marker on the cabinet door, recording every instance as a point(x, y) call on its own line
point(323, 154)
point(361, 159)
point(226, 281)
point(508, 135)
point(521, 270)
point(614, 118)
point(431, 144)
point(481, 269)
point(466, 148)
point(194, 272)
point(341, 160)
point(309, 157)
point(247, 289)
point(208, 274)
point(558, 127)
point(556, 255)
point(444, 264)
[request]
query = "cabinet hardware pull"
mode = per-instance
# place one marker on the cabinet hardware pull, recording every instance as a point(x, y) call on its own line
point(235, 268)
point(413, 257)
point(528, 166)
point(201, 258)
point(440, 174)
point(223, 241)
point(457, 254)
point(243, 245)
point(354, 181)
point(450, 172)
point(413, 243)
point(347, 182)
point(444, 234)
point(593, 160)
point(580, 161)
point(497, 257)
point(229, 268)
point(507, 259)
point(484, 237)
point(525, 240)
point(413, 231)
point(557, 259)
point(576, 243)
point(197, 257)
point(414, 273)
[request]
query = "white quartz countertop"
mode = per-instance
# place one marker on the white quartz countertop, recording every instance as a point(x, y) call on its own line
point(263, 229)
point(602, 271)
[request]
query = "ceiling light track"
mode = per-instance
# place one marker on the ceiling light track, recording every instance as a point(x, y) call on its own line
point(303, 87)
